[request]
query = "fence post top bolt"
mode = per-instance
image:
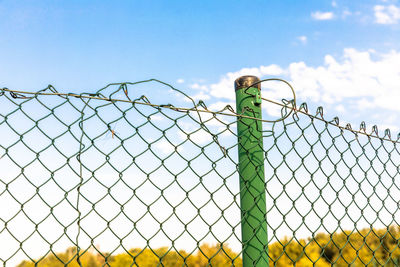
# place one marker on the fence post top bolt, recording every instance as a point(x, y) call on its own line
point(246, 81)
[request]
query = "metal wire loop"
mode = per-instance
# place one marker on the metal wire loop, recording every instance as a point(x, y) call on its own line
point(292, 102)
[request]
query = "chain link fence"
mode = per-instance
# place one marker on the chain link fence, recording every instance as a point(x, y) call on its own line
point(103, 179)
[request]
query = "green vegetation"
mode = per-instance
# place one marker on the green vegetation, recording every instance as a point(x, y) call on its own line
point(367, 247)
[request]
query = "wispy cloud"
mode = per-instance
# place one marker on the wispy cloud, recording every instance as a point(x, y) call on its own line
point(198, 86)
point(302, 39)
point(318, 15)
point(387, 14)
point(202, 95)
point(180, 80)
point(346, 13)
point(166, 147)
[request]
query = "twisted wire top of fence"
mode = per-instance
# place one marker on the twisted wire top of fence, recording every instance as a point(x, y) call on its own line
point(200, 106)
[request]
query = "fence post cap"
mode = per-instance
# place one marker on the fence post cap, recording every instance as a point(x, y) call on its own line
point(246, 81)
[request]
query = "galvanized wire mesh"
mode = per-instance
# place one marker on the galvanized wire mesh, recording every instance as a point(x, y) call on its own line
point(138, 183)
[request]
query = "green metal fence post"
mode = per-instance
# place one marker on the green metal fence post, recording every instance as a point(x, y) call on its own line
point(251, 173)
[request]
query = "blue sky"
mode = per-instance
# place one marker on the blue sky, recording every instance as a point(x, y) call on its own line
point(83, 45)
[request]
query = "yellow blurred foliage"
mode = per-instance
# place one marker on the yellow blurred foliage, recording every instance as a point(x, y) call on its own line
point(366, 247)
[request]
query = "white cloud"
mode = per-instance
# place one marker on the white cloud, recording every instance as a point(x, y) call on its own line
point(340, 108)
point(387, 14)
point(334, 4)
point(203, 93)
point(318, 15)
point(201, 96)
point(156, 117)
point(393, 129)
point(361, 81)
point(357, 75)
point(224, 88)
point(198, 136)
point(302, 39)
point(180, 80)
point(365, 76)
point(219, 105)
point(166, 147)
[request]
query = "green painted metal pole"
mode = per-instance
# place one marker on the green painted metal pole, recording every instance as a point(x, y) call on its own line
point(251, 173)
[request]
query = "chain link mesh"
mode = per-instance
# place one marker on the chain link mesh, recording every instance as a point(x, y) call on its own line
point(95, 180)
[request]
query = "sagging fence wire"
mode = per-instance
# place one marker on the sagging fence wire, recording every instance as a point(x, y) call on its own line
point(165, 183)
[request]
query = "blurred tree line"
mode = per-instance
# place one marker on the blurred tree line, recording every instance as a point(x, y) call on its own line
point(218, 255)
point(366, 247)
